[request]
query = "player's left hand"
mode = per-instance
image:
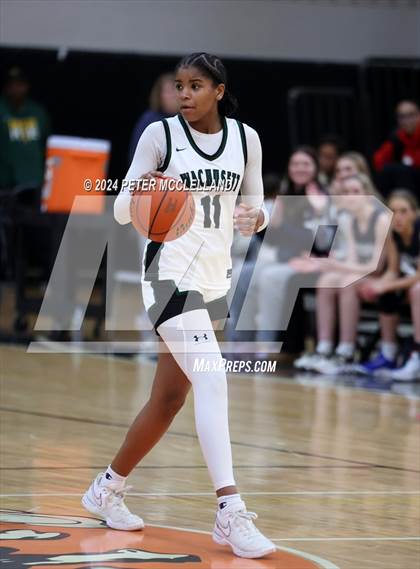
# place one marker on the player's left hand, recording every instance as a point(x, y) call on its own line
point(247, 219)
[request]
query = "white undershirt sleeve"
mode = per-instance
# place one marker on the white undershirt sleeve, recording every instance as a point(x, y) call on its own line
point(149, 155)
point(252, 189)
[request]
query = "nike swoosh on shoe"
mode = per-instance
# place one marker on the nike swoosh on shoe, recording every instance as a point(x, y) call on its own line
point(97, 498)
point(223, 528)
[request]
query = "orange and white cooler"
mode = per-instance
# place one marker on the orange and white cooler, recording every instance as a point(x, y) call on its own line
point(70, 162)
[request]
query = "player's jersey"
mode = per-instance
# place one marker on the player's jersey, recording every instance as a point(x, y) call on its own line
point(201, 257)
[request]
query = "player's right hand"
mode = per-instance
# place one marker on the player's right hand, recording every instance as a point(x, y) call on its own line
point(147, 176)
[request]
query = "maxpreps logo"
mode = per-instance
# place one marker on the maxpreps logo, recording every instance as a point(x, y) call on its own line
point(30, 540)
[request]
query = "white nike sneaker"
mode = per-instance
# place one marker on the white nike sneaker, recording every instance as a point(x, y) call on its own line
point(107, 502)
point(410, 370)
point(308, 362)
point(234, 527)
point(334, 365)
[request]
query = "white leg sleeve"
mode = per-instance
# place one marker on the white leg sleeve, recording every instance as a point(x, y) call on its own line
point(192, 342)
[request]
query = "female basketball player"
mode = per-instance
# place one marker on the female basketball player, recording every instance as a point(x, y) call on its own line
point(184, 286)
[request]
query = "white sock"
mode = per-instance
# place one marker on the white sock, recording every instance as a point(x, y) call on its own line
point(345, 349)
point(111, 478)
point(389, 350)
point(229, 500)
point(324, 347)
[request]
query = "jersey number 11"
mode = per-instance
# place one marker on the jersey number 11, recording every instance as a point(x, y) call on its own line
point(206, 202)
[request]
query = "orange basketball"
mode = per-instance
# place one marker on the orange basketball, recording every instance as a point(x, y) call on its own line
point(162, 209)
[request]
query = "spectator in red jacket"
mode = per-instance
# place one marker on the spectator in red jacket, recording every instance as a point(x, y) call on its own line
point(397, 161)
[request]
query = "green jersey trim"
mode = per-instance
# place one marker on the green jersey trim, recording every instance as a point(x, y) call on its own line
point(168, 146)
point(197, 148)
point(243, 140)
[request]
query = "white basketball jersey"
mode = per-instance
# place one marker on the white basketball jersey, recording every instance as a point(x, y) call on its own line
point(201, 258)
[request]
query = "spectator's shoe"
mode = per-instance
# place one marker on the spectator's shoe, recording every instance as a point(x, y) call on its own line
point(378, 364)
point(107, 503)
point(410, 370)
point(333, 365)
point(234, 527)
point(308, 361)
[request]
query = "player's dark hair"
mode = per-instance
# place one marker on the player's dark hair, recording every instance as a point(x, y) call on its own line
point(212, 67)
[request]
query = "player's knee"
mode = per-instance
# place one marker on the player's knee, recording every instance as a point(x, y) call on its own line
point(171, 401)
point(328, 280)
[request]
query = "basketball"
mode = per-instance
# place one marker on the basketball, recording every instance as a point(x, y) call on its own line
point(162, 210)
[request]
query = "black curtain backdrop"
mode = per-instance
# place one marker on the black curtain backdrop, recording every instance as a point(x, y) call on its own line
point(100, 95)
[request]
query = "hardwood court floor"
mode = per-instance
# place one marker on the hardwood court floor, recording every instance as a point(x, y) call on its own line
point(332, 472)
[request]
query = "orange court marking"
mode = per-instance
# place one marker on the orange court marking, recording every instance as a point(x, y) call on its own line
point(42, 541)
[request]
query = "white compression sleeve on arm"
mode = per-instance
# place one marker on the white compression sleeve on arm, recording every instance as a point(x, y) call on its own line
point(252, 189)
point(150, 153)
point(192, 341)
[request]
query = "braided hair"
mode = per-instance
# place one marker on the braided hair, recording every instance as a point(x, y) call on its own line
point(212, 67)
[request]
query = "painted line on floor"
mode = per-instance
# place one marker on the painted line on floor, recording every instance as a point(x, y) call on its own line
point(411, 538)
point(297, 493)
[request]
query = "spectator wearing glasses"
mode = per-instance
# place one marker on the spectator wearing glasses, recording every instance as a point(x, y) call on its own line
point(397, 161)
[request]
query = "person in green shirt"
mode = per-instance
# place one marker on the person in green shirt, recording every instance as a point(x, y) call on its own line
point(24, 128)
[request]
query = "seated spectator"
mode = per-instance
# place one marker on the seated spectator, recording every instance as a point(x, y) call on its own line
point(351, 163)
point(24, 128)
point(243, 248)
point(329, 149)
point(294, 224)
point(162, 104)
point(339, 285)
point(399, 284)
point(397, 161)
